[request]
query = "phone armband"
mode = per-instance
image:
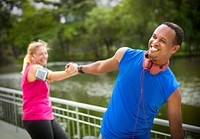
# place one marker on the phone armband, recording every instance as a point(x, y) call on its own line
point(41, 73)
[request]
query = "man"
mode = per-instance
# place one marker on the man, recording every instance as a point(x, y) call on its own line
point(144, 83)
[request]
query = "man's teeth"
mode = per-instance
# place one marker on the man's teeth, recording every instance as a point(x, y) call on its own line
point(154, 49)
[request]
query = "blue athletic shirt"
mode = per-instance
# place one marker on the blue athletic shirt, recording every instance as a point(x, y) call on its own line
point(119, 120)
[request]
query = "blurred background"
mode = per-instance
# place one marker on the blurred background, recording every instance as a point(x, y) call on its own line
point(91, 29)
point(83, 31)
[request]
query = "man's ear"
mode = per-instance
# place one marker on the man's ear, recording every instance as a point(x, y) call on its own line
point(175, 48)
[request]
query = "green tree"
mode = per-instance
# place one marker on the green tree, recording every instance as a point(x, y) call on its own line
point(69, 36)
point(79, 29)
point(6, 19)
point(138, 18)
point(101, 30)
point(33, 24)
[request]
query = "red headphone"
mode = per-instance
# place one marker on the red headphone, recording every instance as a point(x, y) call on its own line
point(153, 68)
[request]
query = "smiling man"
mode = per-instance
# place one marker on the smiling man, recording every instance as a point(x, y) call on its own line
point(144, 84)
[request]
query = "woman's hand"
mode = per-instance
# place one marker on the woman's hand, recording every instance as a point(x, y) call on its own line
point(71, 68)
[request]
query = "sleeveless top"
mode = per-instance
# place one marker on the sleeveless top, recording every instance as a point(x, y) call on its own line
point(36, 102)
point(136, 98)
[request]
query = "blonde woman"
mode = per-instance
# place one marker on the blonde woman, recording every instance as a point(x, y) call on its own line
point(37, 116)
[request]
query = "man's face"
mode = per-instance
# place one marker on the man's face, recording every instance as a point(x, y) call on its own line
point(161, 44)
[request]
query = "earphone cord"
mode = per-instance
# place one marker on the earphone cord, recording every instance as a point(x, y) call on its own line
point(141, 98)
point(141, 93)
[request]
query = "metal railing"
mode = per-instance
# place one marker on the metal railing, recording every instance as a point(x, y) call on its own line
point(79, 120)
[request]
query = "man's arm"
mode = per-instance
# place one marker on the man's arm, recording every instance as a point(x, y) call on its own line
point(104, 66)
point(175, 115)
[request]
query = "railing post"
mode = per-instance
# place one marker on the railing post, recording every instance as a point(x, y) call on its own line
point(185, 134)
point(15, 113)
point(77, 123)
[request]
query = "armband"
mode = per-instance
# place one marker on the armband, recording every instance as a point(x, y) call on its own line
point(41, 73)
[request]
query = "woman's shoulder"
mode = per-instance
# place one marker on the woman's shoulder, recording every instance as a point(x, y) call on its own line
point(34, 67)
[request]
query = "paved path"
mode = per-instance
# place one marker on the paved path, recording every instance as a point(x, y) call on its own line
point(8, 131)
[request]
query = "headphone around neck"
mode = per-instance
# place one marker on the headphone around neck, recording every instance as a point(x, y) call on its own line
point(152, 67)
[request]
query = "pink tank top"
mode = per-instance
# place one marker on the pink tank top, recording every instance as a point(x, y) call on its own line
point(36, 102)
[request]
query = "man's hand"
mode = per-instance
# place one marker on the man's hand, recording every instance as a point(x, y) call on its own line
point(71, 68)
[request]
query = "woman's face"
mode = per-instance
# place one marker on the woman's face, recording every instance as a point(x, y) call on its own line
point(41, 56)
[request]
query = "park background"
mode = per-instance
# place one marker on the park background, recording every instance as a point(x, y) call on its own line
point(84, 31)
point(92, 29)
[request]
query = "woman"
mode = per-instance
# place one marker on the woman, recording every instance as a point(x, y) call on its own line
point(37, 117)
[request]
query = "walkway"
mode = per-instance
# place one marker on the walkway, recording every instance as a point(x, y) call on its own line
point(8, 131)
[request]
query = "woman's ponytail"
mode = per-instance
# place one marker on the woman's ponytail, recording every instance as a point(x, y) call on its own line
point(26, 62)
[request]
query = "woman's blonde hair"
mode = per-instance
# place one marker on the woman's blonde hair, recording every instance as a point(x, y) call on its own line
point(32, 48)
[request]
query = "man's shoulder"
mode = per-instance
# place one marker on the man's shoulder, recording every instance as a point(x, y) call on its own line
point(129, 49)
point(127, 53)
point(132, 51)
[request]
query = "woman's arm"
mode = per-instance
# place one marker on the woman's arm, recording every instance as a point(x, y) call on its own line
point(53, 75)
point(60, 75)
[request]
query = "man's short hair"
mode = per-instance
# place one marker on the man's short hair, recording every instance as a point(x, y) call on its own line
point(178, 30)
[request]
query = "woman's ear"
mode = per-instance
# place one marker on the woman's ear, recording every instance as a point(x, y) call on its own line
point(175, 48)
point(31, 57)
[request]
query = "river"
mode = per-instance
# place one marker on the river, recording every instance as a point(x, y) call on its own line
point(96, 90)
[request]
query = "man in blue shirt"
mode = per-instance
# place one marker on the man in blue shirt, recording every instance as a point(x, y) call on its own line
point(144, 83)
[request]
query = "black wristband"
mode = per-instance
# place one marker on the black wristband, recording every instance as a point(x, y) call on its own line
point(80, 69)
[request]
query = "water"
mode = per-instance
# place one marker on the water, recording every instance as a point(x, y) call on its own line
point(96, 90)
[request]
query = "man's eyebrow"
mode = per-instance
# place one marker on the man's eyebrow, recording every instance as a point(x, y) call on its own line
point(153, 34)
point(161, 37)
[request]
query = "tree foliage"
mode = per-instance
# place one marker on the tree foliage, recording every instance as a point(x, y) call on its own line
point(83, 30)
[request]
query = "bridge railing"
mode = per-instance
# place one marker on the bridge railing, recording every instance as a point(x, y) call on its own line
point(79, 120)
